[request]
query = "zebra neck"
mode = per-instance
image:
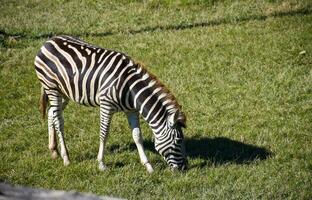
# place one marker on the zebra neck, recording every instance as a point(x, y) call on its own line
point(155, 110)
point(151, 99)
point(157, 122)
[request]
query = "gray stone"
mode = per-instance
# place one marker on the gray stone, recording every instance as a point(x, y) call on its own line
point(9, 192)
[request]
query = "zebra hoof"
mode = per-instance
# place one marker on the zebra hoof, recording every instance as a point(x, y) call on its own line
point(149, 168)
point(54, 154)
point(66, 161)
point(102, 166)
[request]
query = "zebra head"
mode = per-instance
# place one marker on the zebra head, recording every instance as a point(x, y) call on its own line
point(170, 143)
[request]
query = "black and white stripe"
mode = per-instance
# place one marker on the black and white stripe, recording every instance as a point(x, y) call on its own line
point(69, 68)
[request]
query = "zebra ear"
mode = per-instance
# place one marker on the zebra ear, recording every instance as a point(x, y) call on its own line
point(177, 118)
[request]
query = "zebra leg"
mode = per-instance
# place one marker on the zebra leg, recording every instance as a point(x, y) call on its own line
point(52, 135)
point(105, 119)
point(133, 120)
point(56, 115)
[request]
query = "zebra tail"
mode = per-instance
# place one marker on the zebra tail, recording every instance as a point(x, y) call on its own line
point(43, 101)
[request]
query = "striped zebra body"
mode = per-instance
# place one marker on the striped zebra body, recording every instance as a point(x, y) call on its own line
point(70, 69)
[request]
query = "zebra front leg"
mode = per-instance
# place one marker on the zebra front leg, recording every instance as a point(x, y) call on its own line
point(133, 120)
point(105, 119)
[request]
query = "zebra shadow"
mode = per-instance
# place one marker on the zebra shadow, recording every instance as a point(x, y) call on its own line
point(221, 150)
point(210, 151)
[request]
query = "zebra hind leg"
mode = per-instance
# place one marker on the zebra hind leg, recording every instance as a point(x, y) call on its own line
point(133, 120)
point(56, 125)
point(52, 135)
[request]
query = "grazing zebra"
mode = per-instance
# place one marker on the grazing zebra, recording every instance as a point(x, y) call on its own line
point(69, 68)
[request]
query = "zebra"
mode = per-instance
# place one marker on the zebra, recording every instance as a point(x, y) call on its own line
point(71, 69)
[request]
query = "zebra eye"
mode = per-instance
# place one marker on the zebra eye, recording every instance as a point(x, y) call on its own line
point(179, 135)
point(178, 138)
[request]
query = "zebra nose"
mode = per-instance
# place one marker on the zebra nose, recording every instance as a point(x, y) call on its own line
point(179, 167)
point(174, 168)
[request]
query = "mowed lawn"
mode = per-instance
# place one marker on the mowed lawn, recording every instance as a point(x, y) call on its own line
point(242, 71)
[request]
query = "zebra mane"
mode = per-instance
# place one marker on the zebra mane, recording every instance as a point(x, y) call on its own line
point(164, 89)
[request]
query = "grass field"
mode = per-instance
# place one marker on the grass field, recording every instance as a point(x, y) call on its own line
point(242, 70)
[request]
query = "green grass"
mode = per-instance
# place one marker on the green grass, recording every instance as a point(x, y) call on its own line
point(242, 70)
